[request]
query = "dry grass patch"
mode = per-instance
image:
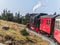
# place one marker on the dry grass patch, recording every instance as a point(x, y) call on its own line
point(15, 34)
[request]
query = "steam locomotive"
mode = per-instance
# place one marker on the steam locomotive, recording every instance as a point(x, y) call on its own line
point(45, 24)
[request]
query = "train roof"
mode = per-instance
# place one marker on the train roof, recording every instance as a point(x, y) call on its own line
point(37, 14)
point(49, 16)
point(33, 14)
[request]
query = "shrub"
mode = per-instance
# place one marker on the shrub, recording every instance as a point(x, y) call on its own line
point(24, 32)
point(5, 27)
point(7, 37)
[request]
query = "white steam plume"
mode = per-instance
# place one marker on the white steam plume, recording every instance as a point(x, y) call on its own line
point(37, 6)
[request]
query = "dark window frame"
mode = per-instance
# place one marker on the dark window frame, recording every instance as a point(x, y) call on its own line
point(48, 22)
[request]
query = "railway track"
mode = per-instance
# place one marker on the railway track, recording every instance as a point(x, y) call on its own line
point(52, 42)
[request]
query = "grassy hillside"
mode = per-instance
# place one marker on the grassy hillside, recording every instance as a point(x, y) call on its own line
point(14, 34)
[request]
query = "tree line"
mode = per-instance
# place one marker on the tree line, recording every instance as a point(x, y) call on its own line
point(7, 15)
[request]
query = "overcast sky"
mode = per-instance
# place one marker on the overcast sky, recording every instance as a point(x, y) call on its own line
point(25, 6)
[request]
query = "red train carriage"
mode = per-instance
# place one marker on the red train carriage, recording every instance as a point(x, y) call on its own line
point(50, 24)
point(47, 23)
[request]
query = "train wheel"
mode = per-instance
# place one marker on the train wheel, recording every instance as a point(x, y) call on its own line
point(27, 26)
point(40, 32)
point(56, 43)
point(43, 33)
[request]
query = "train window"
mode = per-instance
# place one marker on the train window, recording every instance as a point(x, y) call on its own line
point(57, 24)
point(48, 22)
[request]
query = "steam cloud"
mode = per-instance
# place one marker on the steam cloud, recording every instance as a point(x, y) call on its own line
point(37, 6)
